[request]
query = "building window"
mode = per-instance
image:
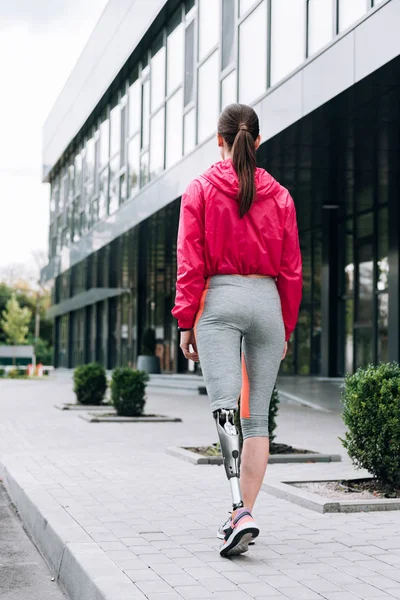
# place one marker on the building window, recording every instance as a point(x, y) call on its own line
point(103, 194)
point(157, 144)
point(253, 55)
point(320, 24)
point(209, 19)
point(189, 63)
point(174, 129)
point(244, 6)
point(208, 97)
point(114, 185)
point(189, 142)
point(144, 169)
point(228, 29)
point(288, 37)
point(133, 164)
point(228, 90)
point(157, 74)
point(350, 11)
point(175, 53)
point(134, 107)
point(104, 142)
point(115, 129)
point(146, 114)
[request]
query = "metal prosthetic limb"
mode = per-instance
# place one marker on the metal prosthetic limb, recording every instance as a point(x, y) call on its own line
point(230, 449)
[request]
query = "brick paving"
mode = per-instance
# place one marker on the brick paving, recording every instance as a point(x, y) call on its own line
point(155, 516)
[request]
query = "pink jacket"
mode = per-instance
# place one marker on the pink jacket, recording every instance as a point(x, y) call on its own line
point(214, 240)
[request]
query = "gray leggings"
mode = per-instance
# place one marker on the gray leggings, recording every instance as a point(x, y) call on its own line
point(240, 338)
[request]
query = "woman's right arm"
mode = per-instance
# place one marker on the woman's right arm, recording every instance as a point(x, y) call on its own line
point(290, 280)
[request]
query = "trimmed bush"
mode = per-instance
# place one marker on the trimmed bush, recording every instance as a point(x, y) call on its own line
point(2, 372)
point(273, 412)
point(17, 373)
point(371, 401)
point(90, 383)
point(149, 343)
point(128, 389)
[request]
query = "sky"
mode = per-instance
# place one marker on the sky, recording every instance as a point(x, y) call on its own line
point(40, 42)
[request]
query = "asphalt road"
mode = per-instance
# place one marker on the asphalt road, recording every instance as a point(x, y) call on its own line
point(24, 574)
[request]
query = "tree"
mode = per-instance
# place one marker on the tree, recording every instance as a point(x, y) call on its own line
point(16, 321)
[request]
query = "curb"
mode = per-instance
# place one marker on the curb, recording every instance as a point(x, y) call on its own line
point(283, 489)
point(198, 459)
point(82, 407)
point(79, 565)
point(92, 418)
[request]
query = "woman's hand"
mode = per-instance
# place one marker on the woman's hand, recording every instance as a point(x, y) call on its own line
point(284, 350)
point(188, 339)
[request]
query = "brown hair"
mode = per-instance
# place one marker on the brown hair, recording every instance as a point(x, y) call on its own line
point(239, 126)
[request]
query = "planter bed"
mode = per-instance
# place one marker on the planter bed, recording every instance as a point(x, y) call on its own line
point(336, 495)
point(280, 453)
point(114, 418)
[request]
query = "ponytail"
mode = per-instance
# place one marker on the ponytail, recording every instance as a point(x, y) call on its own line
point(244, 161)
point(239, 126)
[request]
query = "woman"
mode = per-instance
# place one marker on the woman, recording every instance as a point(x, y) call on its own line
point(237, 301)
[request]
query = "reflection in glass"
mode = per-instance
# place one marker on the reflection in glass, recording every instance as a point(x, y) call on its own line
point(104, 142)
point(350, 11)
point(253, 55)
point(383, 250)
point(349, 267)
point(114, 195)
point(228, 28)
point(123, 135)
point(208, 97)
point(78, 174)
point(157, 78)
point(228, 90)
point(146, 113)
point(189, 141)
point(175, 58)
point(144, 169)
point(134, 107)
point(245, 5)
point(89, 160)
point(133, 164)
point(320, 24)
point(209, 15)
point(364, 342)
point(365, 225)
point(157, 144)
point(103, 196)
point(115, 127)
point(288, 37)
point(365, 284)
point(383, 327)
point(303, 342)
point(123, 188)
point(174, 129)
point(348, 351)
point(189, 63)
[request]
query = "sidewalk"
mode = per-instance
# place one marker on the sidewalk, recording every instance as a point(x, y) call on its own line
point(122, 519)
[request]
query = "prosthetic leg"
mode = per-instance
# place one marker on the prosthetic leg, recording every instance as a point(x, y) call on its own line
point(230, 449)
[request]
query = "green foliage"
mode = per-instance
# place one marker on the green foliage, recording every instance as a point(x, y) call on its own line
point(90, 383)
point(2, 372)
point(44, 352)
point(16, 321)
point(128, 388)
point(273, 412)
point(149, 343)
point(371, 401)
point(17, 373)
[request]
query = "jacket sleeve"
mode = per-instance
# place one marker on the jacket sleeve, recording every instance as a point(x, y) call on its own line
point(190, 256)
point(289, 280)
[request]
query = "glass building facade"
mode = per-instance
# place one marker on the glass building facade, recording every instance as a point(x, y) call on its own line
point(339, 162)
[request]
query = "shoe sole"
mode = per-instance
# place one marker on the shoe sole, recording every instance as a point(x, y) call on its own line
point(239, 541)
point(221, 536)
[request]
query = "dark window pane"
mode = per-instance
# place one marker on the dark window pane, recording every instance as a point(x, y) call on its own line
point(189, 63)
point(228, 28)
point(383, 250)
point(349, 263)
point(365, 284)
point(303, 343)
point(383, 323)
point(364, 342)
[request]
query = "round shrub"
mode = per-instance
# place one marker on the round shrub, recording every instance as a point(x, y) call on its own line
point(128, 389)
point(2, 372)
point(371, 401)
point(17, 373)
point(90, 383)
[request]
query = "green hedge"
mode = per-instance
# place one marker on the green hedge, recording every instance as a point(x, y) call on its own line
point(371, 401)
point(90, 383)
point(128, 389)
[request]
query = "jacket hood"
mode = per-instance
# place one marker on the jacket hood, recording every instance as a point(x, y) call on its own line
point(223, 176)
